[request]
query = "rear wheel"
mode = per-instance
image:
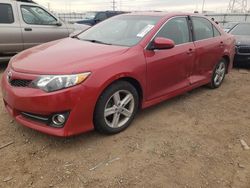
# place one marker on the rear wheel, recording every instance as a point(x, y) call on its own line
point(219, 74)
point(116, 108)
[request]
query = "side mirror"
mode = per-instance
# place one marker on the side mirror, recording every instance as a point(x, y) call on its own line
point(58, 23)
point(161, 43)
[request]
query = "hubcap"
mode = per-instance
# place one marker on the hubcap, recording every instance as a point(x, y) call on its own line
point(219, 74)
point(119, 109)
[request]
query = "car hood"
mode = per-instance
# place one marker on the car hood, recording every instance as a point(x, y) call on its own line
point(66, 56)
point(242, 40)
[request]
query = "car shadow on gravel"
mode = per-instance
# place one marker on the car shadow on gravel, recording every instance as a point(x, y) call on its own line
point(92, 137)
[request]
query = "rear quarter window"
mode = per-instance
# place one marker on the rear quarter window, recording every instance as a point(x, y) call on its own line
point(6, 14)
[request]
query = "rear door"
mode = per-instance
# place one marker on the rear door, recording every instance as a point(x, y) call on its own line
point(209, 48)
point(39, 26)
point(169, 70)
point(10, 31)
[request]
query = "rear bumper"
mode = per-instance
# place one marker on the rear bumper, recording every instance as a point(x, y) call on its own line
point(78, 100)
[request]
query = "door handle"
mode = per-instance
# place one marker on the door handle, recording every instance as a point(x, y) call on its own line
point(221, 44)
point(27, 29)
point(190, 51)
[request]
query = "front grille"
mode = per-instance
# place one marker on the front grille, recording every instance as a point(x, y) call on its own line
point(20, 83)
point(244, 49)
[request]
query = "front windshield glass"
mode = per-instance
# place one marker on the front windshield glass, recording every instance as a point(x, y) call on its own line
point(241, 29)
point(125, 30)
point(90, 15)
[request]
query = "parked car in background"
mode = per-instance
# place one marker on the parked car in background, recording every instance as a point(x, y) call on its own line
point(228, 26)
point(24, 24)
point(100, 78)
point(241, 31)
point(92, 18)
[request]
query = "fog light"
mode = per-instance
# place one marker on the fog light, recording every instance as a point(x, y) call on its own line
point(58, 120)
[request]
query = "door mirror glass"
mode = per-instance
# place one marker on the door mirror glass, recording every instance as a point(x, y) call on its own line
point(161, 43)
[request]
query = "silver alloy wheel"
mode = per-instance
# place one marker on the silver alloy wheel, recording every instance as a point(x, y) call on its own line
point(119, 109)
point(219, 74)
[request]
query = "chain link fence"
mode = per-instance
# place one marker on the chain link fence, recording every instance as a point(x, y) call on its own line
point(70, 17)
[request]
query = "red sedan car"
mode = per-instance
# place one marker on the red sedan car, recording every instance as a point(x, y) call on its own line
point(100, 78)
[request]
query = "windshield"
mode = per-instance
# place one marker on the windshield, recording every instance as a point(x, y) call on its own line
point(125, 30)
point(229, 25)
point(241, 29)
point(90, 15)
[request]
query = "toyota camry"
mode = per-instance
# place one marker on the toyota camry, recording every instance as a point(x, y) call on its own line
point(100, 78)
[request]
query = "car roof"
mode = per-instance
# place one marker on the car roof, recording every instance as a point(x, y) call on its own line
point(164, 14)
point(26, 1)
point(107, 11)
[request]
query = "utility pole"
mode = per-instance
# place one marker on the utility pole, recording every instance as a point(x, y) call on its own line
point(237, 6)
point(113, 5)
point(48, 6)
point(203, 6)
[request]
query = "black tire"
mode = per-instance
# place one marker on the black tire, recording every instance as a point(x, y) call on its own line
point(213, 84)
point(100, 122)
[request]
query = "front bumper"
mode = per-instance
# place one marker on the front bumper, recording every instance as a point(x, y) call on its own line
point(79, 101)
point(242, 59)
point(242, 55)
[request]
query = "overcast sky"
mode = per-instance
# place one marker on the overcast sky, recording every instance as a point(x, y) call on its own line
point(130, 5)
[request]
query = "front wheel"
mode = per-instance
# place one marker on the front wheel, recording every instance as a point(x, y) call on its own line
point(218, 74)
point(116, 108)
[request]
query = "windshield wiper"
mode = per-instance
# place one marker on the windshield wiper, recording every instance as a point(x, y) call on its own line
point(96, 41)
point(75, 37)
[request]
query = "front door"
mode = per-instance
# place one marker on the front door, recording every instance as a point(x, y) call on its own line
point(38, 26)
point(168, 70)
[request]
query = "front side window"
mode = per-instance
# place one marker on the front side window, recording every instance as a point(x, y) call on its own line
point(125, 30)
point(176, 29)
point(6, 14)
point(202, 28)
point(37, 16)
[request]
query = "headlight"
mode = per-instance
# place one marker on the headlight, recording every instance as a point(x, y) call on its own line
point(51, 83)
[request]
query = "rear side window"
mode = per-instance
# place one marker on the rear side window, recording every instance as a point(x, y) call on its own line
point(216, 32)
point(6, 14)
point(176, 29)
point(202, 28)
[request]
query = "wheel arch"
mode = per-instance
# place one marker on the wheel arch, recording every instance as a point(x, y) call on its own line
point(137, 86)
point(227, 58)
point(128, 78)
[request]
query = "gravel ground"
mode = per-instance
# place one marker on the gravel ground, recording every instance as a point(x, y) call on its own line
point(190, 141)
